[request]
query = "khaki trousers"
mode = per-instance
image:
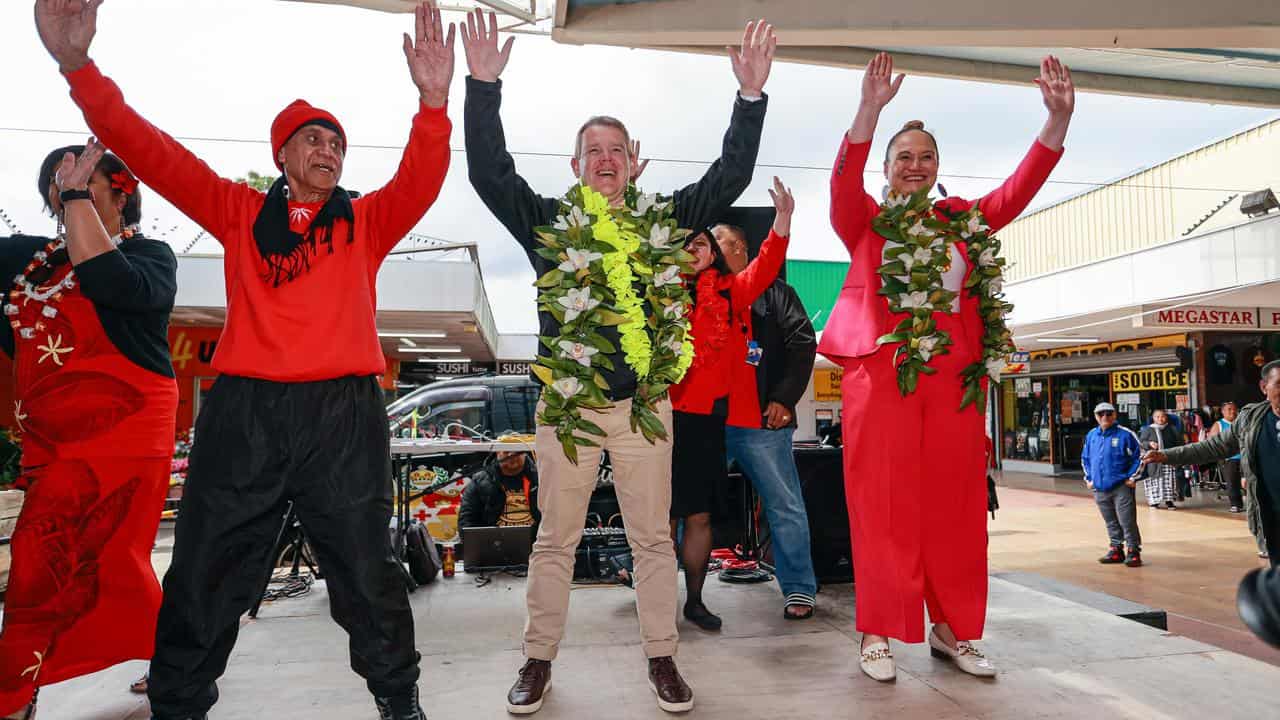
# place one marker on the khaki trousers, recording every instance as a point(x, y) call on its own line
point(642, 478)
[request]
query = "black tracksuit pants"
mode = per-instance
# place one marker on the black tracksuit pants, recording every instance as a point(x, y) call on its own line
point(258, 445)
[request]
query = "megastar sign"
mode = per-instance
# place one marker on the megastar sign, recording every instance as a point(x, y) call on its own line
point(1198, 317)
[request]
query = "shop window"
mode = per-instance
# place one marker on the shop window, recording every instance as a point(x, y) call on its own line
point(1025, 419)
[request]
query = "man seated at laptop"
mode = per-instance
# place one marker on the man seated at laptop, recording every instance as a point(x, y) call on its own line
point(503, 494)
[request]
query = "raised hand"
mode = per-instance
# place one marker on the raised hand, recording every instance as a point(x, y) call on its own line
point(430, 55)
point(67, 28)
point(637, 165)
point(879, 86)
point(1056, 88)
point(752, 62)
point(484, 60)
point(784, 205)
point(74, 173)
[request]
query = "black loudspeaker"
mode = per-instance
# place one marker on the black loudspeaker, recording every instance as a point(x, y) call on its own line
point(755, 223)
point(822, 482)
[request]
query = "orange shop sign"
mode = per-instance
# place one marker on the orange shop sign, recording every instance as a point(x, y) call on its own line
point(826, 384)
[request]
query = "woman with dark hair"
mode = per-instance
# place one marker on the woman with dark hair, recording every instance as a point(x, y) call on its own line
point(917, 328)
point(719, 387)
point(87, 323)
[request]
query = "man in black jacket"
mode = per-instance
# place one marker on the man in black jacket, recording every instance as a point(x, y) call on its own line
point(642, 470)
point(504, 493)
point(781, 329)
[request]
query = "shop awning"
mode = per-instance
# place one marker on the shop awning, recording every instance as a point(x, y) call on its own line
point(1106, 362)
point(1225, 52)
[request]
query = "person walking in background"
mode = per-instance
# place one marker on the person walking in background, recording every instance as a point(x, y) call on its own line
point(1230, 468)
point(781, 329)
point(1160, 482)
point(1255, 438)
point(1111, 459)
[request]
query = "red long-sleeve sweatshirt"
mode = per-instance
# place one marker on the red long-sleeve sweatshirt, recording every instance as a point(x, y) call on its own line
point(729, 374)
point(321, 325)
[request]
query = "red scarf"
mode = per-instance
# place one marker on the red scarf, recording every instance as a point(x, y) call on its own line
point(711, 321)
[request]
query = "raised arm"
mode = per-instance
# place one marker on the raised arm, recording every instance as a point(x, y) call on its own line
point(1004, 204)
point(87, 238)
point(67, 28)
point(851, 207)
point(701, 203)
point(402, 202)
point(760, 273)
point(490, 167)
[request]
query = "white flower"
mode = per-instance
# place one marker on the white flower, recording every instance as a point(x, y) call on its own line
point(674, 310)
point(921, 256)
point(576, 302)
point(995, 286)
point(660, 237)
point(575, 218)
point(973, 227)
point(917, 299)
point(670, 276)
point(577, 352)
point(579, 259)
point(995, 366)
point(647, 202)
point(919, 229)
point(674, 346)
point(568, 386)
point(936, 243)
point(895, 200)
point(987, 258)
point(926, 346)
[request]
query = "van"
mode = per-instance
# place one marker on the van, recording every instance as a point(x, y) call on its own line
point(465, 407)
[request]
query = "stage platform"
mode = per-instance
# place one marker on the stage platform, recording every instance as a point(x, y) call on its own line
point(1058, 659)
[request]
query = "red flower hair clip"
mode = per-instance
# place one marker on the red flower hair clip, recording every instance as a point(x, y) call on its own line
point(124, 182)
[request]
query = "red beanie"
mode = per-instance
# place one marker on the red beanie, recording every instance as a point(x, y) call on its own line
point(297, 115)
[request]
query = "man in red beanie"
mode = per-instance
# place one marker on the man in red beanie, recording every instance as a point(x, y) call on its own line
point(297, 414)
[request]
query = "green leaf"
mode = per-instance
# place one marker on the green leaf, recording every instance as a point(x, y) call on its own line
point(550, 279)
point(543, 373)
point(590, 427)
point(601, 343)
point(609, 317)
point(599, 381)
point(891, 338)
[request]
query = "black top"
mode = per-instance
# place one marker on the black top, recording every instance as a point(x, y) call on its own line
point(485, 496)
point(520, 209)
point(1268, 455)
point(133, 288)
point(780, 325)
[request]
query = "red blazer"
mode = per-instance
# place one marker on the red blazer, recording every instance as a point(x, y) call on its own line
point(730, 374)
point(861, 315)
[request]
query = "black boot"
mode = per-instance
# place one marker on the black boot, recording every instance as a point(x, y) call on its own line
point(400, 707)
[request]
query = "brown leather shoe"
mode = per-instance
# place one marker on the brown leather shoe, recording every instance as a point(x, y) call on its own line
point(674, 694)
point(525, 697)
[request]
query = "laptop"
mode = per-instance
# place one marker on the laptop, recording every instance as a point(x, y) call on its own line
point(492, 548)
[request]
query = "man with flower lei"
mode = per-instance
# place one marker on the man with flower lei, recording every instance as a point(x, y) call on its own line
point(614, 335)
point(918, 328)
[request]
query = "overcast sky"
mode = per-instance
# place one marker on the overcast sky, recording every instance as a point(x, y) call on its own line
point(224, 68)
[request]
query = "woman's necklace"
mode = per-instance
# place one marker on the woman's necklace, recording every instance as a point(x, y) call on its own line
point(30, 285)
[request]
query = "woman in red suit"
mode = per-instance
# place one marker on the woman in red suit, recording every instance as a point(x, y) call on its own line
point(916, 325)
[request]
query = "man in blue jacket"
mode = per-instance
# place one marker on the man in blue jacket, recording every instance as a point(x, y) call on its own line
point(1111, 458)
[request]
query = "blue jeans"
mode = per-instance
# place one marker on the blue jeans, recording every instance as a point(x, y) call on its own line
point(766, 457)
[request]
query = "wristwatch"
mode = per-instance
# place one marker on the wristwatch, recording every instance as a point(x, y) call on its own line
point(67, 196)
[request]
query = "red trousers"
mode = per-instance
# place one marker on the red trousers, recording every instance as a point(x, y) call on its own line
point(82, 593)
point(915, 482)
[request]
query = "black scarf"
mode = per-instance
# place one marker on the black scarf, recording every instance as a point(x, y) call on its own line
point(288, 254)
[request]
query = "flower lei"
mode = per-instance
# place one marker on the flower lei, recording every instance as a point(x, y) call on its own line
point(618, 266)
point(918, 240)
point(711, 318)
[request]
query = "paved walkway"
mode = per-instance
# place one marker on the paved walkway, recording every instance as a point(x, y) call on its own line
point(1059, 659)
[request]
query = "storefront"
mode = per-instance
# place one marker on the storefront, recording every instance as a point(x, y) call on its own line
point(1045, 406)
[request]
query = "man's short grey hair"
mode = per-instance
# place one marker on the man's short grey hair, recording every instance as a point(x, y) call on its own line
point(1270, 368)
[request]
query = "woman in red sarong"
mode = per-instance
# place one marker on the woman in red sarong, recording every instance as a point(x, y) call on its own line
point(913, 459)
point(86, 322)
